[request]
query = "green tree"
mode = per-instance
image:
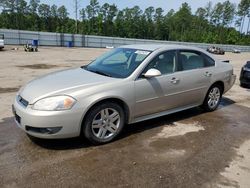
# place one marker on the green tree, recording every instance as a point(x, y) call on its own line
point(44, 13)
point(63, 17)
point(149, 22)
point(228, 13)
point(159, 19)
point(217, 14)
point(92, 11)
point(183, 19)
point(243, 12)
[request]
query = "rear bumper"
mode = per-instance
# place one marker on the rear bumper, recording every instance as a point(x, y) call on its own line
point(229, 82)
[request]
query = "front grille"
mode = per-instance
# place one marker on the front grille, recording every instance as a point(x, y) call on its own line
point(22, 101)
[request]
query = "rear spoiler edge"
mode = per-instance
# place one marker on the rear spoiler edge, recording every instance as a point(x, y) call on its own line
point(226, 61)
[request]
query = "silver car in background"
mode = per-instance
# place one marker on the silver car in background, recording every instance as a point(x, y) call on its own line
point(126, 85)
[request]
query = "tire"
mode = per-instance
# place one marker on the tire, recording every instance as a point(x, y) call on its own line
point(213, 98)
point(100, 127)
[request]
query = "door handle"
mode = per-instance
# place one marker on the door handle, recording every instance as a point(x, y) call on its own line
point(208, 74)
point(175, 80)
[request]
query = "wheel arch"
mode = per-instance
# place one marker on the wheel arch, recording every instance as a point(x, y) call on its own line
point(116, 100)
point(219, 83)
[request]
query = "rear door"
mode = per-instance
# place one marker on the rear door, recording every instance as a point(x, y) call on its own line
point(194, 75)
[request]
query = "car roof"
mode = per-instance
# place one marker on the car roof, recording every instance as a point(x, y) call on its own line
point(154, 47)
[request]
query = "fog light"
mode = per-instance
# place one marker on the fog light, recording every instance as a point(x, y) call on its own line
point(47, 130)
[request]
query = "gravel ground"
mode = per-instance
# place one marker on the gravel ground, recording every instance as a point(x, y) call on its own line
point(186, 149)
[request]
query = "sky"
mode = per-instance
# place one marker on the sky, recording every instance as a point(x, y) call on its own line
point(165, 4)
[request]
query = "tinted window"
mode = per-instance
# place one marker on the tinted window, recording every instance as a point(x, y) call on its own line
point(209, 61)
point(191, 60)
point(165, 63)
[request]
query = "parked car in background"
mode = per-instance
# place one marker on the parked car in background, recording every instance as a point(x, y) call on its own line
point(1, 41)
point(236, 51)
point(245, 75)
point(216, 50)
point(126, 85)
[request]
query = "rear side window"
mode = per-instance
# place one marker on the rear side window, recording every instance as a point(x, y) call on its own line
point(191, 60)
point(209, 62)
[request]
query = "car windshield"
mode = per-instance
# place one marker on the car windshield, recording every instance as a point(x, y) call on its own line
point(118, 63)
point(1, 36)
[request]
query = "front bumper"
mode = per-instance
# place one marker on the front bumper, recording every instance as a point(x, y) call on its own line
point(244, 77)
point(64, 124)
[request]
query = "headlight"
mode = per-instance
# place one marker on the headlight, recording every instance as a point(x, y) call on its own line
point(56, 103)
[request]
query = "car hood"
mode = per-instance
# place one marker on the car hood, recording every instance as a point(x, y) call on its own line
point(61, 83)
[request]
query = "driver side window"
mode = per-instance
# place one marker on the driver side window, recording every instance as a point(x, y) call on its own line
point(165, 62)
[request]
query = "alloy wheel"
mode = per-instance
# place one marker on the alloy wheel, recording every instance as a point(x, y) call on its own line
point(106, 123)
point(214, 97)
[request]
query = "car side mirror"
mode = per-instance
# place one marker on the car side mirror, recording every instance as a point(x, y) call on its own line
point(152, 73)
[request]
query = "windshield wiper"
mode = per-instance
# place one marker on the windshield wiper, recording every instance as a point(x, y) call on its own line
point(101, 73)
point(96, 71)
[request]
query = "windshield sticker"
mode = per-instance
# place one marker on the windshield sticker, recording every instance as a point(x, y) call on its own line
point(142, 52)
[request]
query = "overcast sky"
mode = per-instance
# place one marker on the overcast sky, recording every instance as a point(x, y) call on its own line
point(165, 4)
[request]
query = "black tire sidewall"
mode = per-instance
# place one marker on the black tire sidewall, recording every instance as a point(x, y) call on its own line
point(87, 124)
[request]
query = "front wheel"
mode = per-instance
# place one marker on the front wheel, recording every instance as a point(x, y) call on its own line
point(103, 123)
point(213, 98)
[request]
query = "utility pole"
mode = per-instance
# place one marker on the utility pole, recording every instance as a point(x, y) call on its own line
point(76, 14)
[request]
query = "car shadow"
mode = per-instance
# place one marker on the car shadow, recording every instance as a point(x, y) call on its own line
point(61, 144)
point(170, 119)
point(226, 102)
point(78, 143)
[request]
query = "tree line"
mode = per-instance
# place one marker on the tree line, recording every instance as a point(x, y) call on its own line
point(225, 23)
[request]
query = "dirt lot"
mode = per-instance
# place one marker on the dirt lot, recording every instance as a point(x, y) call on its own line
point(187, 149)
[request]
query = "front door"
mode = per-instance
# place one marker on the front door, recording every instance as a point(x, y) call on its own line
point(157, 94)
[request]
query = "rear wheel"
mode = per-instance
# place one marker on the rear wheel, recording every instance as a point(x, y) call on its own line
point(213, 98)
point(103, 123)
